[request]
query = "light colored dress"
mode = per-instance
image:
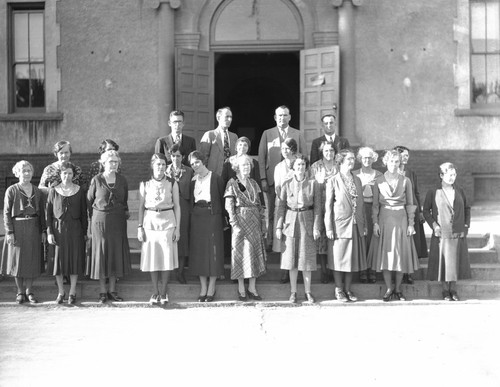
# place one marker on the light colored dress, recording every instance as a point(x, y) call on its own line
point(248, 252)
point(159, 251)
point(322, 173)
point(282, 172)
point(393, 210)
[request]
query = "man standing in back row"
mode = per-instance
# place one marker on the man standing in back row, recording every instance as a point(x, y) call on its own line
point(187, 144)
point(329, 123)
point(270, 156)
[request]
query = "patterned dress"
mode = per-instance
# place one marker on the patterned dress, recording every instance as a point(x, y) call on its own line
point(322, 173)
point(243, 205)
point(282, 172)
point(159, 251)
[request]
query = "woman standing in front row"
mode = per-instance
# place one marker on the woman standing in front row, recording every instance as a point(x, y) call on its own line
point(392, 248)
point(299, 223)
point(66, 231)
point(345, 226)
point(107, 200)
point(448, 214)
point(159, 226)
point(246, 216)
point(24, 222)
point(206, 257)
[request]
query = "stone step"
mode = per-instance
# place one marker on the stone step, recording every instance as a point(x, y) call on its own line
point(473, 240)
point(140, 291)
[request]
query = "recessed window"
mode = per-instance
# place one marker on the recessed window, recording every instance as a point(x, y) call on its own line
point(485, 53)
point(27, 58)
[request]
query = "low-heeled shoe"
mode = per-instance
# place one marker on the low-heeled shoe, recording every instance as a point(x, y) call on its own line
point(293, 298)
point(388, 295)
point(102, 298)
point(202, 298)
point(72, 299)
point(114, 296)
point(60, 298)
point(254, 296)
point(310, 298)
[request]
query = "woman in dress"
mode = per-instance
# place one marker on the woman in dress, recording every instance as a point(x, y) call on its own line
point(107, 200)
point(345, 226)
point(367, 156)
point(283, 172)
point(159, 226)
point(419, 236)
point(51, 175)
point(448, 214)
point(323, 170)
point(96, 166)
point(392, 248)
point(299, 224)
point(182, 175)
point(246, 217)
point(24, 222)
point(66, 231)
point(206, 258)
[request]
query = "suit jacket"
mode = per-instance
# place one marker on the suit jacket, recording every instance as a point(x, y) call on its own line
point(311, 196)
point(216, 194)
point(270, 150)
point(461, 209)
point(188, 144)
point(339, 143)
point(212, 147)
point(339, 216)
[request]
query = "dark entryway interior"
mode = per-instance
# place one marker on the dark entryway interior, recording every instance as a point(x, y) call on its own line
point(253, 85)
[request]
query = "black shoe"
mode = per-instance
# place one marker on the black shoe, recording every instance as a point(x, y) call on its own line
point(324, 278)
point(242, 297)
point(102, 298)
point(31, 298)
point(446, 295)
point(388, 295)
point(114, 296)
point(210, 298)
point(254, 296)
point(60, 298)
point(310, 298)
point(285, 278)
point(350, 295)
point(202, 298)
point(340, 295)
point(180, 278)
point(409, 279)
point(72, 299)
point(293, 298)
point(399, 296)
point(19, 298)
point(454, 295)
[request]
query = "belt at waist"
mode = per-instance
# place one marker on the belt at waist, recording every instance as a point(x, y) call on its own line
point(159, 209)
point(24, 217)
point(395, 208)
point(300, 209)
point(203, 203)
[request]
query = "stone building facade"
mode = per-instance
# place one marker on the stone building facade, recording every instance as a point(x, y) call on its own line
point(400, 73)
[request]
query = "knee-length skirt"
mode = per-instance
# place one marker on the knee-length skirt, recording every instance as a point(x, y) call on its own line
point(24, 259)
point(110, 249)
point(206, 256)
point(299, 251)
point(347, 254)
point(393, 250)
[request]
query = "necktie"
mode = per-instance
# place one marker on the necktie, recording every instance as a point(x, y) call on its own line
point(227, 151)
point(178, 139)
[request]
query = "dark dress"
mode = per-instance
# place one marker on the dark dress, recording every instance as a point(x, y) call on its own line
point(67, 221)
point(183, 178)
point(206, 257)
point(449, 254)
point(110, 249)
point(24, 217)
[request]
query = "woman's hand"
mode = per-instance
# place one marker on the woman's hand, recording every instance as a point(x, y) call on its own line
point(278, 233)
point(316, 234)
point(376, 230)
point(141, 235)
point(51, 239)
point(11, 240)
point(177, 235)
point(365, 231)
point(437, 231)
point(330, 235)
point(410, 231)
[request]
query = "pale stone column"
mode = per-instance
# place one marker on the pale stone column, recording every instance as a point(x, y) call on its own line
point(166, 58)
point(347, 43)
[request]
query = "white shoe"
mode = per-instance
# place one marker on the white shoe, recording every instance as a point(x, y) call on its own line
point(164, 300)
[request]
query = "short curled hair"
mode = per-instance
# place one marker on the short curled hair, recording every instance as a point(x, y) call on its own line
point(340, 157)
point(445, 167)
point(300, 157)
point(155, 157)
point(366, 151)
point(401, 148)
point(325, 143)
point(176, 147)
point(17, 169)
point(292, 144)
point(390, 154)
point(108, 154)
point(67, 165)
point(236, 161)
point(59, 145)
point(104, 145)
point(245, 140)
point(176, 113)
point(196, 155)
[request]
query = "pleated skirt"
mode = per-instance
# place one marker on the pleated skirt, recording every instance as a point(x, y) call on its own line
point(24, 259)
point(206, 258)
point(448, 259)
point(110, 249)
point(347, 254)
point(393, 250)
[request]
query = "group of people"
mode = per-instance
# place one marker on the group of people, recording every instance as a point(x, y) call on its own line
point(319, 210)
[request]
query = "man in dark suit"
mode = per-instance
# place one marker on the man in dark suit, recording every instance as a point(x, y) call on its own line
point(329, 123)
point(187, 144)
point(270, 156)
